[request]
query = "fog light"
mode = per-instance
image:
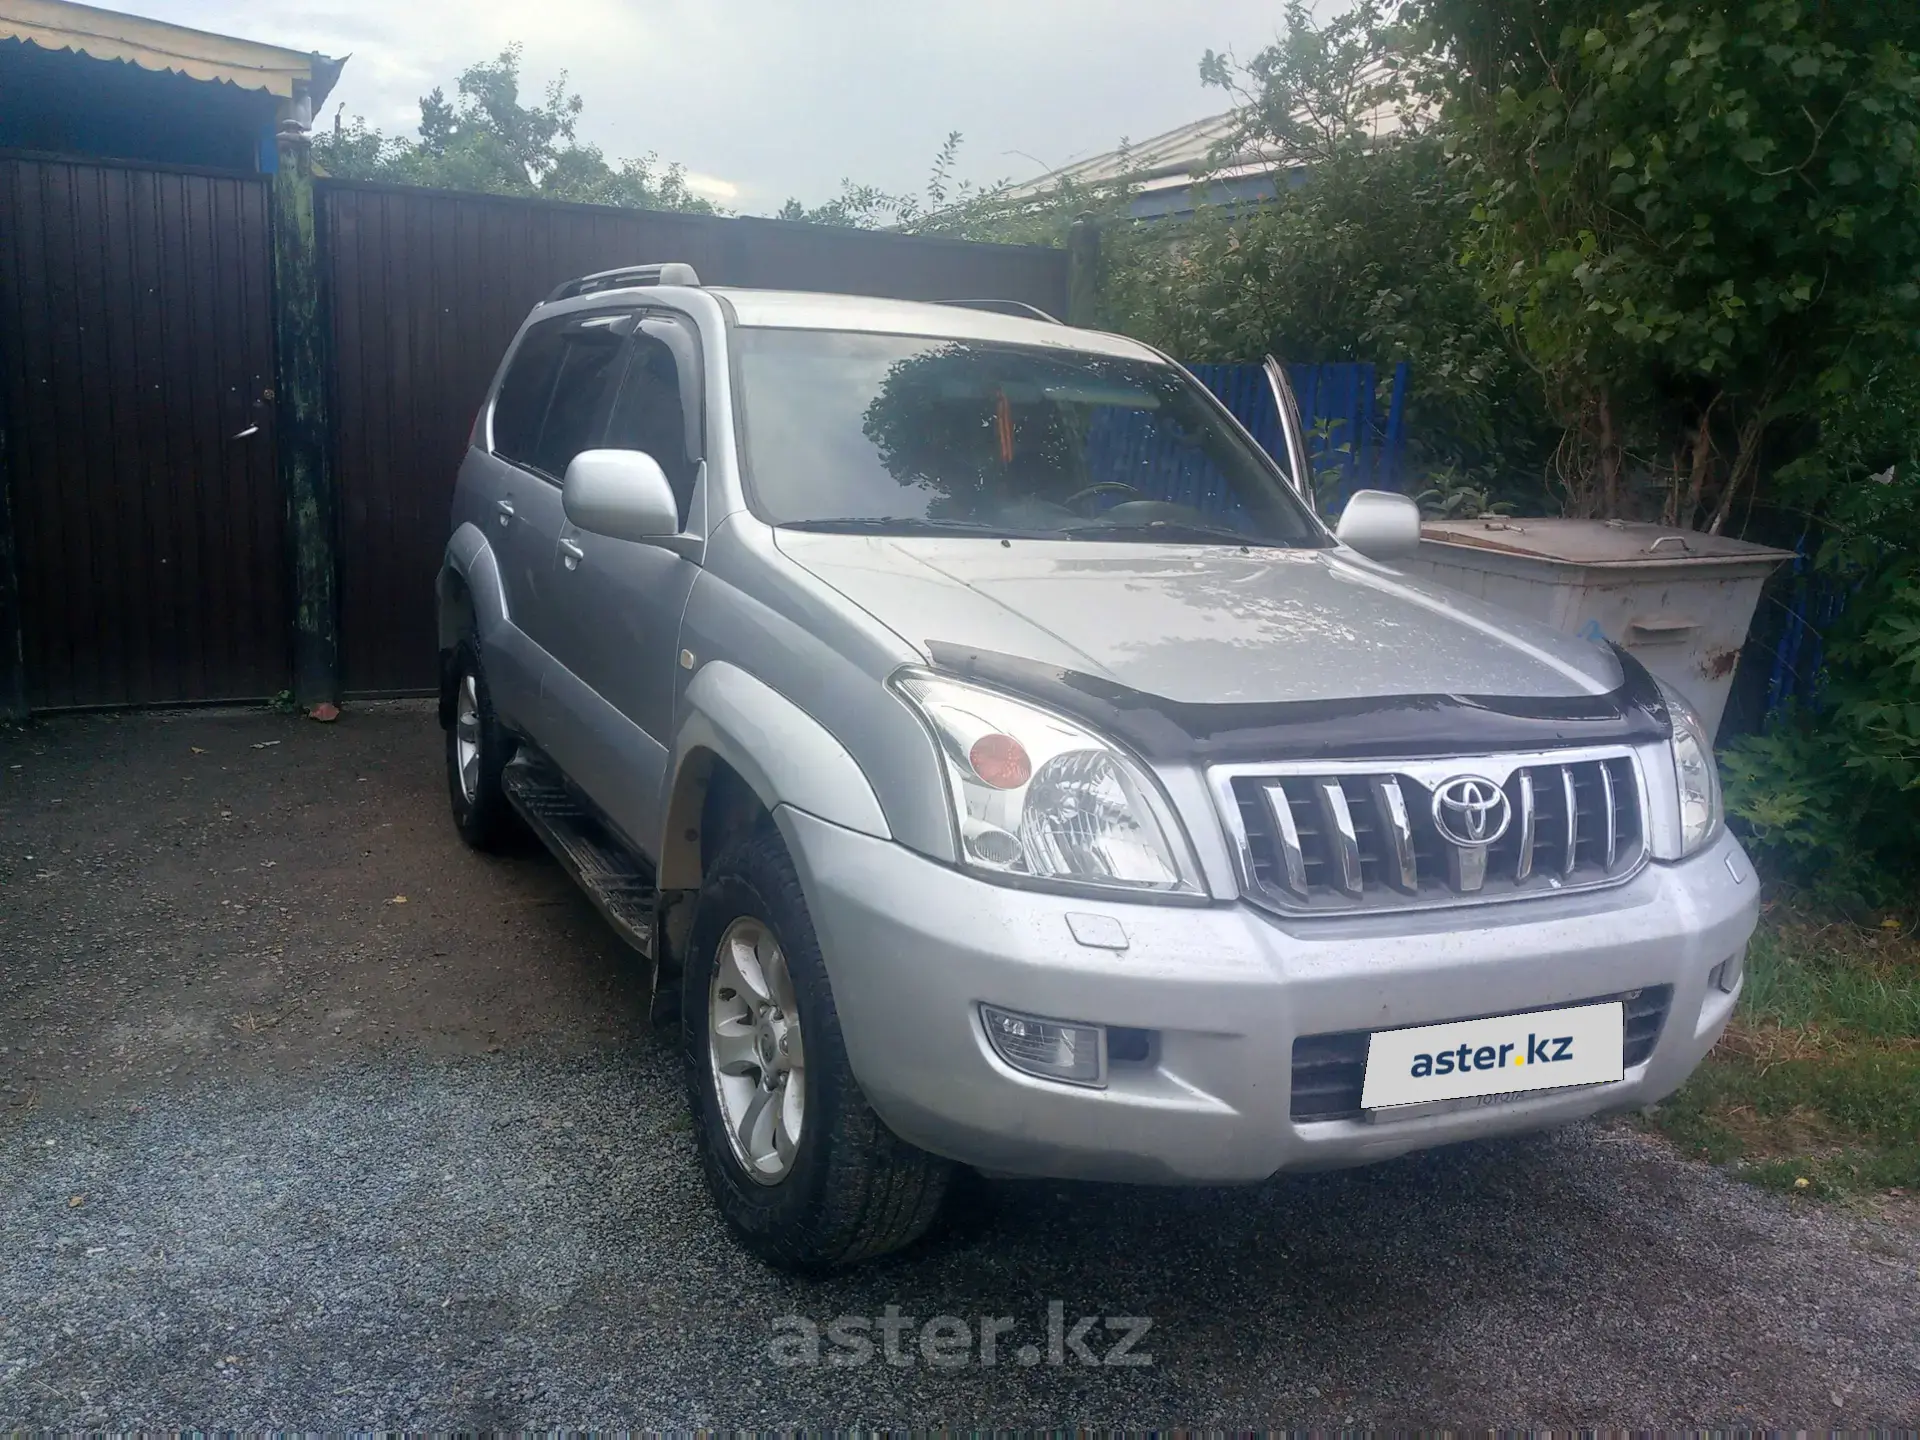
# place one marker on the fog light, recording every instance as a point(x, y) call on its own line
point(1726, 975)
point(1051, 1049)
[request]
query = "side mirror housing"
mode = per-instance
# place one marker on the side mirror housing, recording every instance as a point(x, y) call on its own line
point(622, 494)
point(1380, 525)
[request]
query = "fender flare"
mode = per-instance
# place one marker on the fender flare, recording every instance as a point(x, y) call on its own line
point(785, 756)
point(469, 562)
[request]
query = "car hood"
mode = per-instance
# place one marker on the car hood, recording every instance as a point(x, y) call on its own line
point(1202, 624)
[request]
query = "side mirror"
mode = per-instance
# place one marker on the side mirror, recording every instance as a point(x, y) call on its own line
point(1380, 524)
point(622, 494)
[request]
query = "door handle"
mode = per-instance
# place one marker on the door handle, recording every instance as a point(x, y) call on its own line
point(571, 554)
point(505, 507)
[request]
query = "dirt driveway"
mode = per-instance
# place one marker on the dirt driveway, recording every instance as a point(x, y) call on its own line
point(309, 1117)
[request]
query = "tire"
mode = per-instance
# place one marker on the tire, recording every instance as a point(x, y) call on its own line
point(480, 810)
point(850, 1189)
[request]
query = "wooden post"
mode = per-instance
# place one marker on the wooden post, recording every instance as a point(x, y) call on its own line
point(13, 660)
point(1083, 271)
point(301, 348)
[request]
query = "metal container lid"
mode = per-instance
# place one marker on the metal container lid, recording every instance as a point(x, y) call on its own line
point(1597, 542)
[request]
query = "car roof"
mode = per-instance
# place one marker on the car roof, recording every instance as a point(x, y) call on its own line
point(809, 310)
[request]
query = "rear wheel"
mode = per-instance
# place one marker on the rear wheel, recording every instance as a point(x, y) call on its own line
point(804, 1172)
point(477, 751)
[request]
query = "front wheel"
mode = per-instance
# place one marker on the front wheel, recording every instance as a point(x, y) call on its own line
point(805, 1174)
point(478, 749)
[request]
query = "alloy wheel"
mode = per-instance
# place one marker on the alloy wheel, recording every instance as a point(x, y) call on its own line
point(466, 737)
point(754, 1045)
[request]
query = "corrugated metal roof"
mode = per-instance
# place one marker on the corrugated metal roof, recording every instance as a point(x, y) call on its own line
point(1183, 157)
point(156, 45)
point(1178, 155)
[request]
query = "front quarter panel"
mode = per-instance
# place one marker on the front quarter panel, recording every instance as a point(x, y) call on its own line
point(755, 609)
point(469, 561)
point(473, 601)
point(783, 753)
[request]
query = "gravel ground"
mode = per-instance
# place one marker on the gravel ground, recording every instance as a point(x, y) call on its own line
point(277, 1150)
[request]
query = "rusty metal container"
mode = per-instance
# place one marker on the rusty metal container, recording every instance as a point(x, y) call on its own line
point(1679, 600)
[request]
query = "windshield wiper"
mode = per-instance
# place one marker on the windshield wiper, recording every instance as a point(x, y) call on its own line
point(918, 525)
point(1172, 530)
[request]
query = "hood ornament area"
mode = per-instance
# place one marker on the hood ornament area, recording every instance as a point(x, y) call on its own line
point(1471, 811)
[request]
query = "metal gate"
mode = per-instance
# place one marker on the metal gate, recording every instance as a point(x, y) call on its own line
point(142, 503)
point(426, 289)
point(136, 434)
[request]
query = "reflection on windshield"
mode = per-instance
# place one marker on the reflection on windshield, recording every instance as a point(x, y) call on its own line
point(908, 435)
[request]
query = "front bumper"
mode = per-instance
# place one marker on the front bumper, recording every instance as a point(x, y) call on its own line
point(913, 947)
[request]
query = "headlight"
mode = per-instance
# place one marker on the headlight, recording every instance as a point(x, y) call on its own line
point(1039, 797)
point(1694, 770)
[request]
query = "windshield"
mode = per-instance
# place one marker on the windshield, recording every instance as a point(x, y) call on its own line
point(915, 435)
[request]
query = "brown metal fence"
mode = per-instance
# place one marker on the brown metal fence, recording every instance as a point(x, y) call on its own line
point(136, 365)
point(427, 288)
point(144, 520)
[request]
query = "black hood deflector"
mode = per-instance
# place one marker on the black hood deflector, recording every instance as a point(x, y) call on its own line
point(1402, 727)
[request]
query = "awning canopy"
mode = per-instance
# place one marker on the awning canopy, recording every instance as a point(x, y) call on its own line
point(155, 45)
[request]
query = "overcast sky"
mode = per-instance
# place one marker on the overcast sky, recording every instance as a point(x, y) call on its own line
point(761, 99)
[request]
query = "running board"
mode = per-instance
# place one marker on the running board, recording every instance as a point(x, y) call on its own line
point(618, 882)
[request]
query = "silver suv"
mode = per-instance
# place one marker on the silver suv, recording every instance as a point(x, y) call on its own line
point(1001, 766)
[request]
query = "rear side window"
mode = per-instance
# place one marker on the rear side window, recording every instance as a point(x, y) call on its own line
point(524, 392)
point(554, 398)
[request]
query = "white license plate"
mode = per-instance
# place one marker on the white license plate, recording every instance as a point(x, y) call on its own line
point(1544, 1050)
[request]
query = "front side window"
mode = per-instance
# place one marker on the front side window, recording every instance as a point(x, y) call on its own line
point(554, 398)
point(650, 413)
point(909, 434)
point(589, 368)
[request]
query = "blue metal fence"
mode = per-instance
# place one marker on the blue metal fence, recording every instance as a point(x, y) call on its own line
point(1340, 406)
point(1160, 464)
point(1347, 433)
point(1809, 602)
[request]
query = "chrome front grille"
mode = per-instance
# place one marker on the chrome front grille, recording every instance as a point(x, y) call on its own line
point(1333, 836)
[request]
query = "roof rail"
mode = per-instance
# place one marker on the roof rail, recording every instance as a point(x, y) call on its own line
point(673, 272)
point(1018, 308)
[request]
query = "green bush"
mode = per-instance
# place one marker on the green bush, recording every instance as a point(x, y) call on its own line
point(1354, 262)
point(1830, 795)
point(1697, 216)
point(1358, 256)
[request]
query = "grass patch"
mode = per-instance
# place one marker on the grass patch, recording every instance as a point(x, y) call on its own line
point(1816, 1085)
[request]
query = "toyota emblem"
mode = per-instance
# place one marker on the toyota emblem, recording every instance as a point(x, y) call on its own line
point(1470, 811)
